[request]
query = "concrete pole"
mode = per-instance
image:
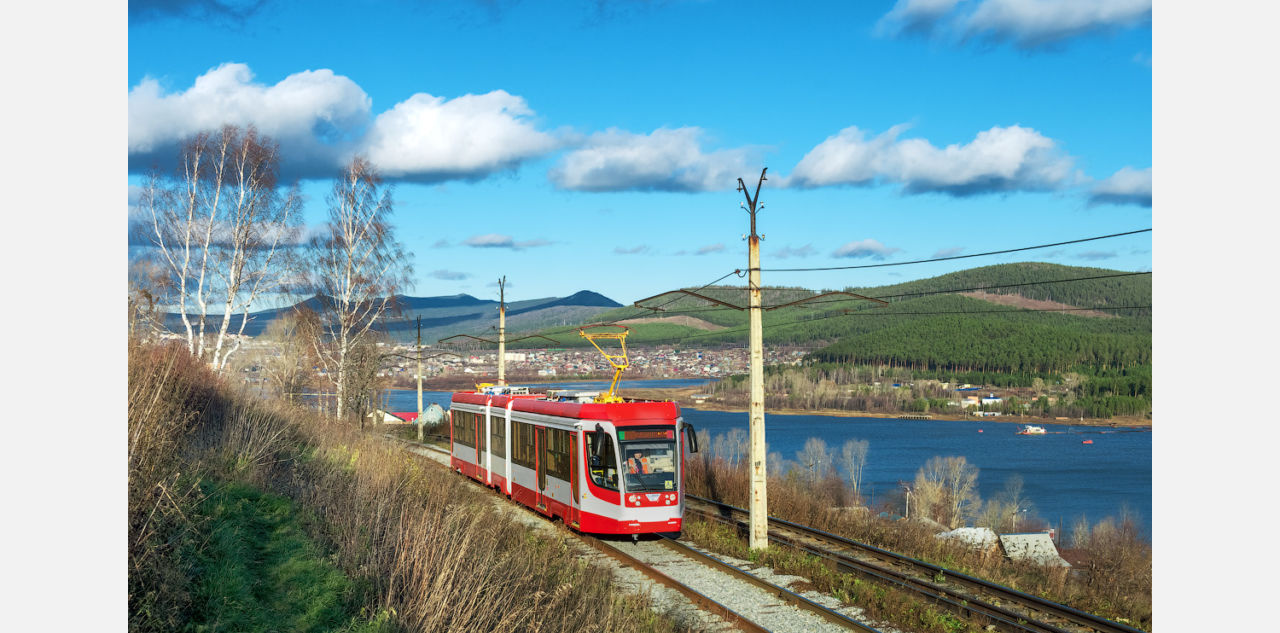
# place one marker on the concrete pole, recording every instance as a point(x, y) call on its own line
point(759, 506)
point(502, 332)
point(759, 493)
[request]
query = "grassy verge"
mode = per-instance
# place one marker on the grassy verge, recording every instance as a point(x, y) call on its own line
point(261, 572)
point(301, 495)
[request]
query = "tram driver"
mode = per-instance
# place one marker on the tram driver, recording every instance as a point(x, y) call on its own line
point(638, 465)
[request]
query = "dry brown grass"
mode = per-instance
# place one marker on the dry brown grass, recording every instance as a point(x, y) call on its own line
point(165, 405)
point(432, 551)
point(1117, 586)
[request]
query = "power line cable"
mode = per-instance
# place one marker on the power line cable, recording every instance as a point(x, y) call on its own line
point(880, 313)
point(702, 287)
point(943, 259)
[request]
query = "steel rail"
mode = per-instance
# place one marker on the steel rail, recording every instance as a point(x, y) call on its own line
point(1020, 621)
point(788, 596)
point(702, 600)
point(733, 618)
point(1004, 620)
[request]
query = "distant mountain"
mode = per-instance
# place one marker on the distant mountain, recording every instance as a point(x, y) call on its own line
point(448, 315)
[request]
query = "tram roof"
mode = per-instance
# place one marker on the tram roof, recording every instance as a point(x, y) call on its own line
point(634, 412)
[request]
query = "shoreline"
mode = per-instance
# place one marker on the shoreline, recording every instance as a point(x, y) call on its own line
point(681, 396)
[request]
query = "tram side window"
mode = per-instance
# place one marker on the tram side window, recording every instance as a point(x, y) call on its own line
point(464, 428)
point(558, 453)
point(522, 449)
point(498, 438)
point(604, 472)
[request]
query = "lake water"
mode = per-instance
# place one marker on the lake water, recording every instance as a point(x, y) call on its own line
point(1063, 478)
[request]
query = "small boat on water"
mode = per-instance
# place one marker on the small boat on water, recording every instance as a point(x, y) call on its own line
point(1032, 429)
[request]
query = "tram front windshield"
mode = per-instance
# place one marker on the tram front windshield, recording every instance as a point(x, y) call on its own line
point(648, 459)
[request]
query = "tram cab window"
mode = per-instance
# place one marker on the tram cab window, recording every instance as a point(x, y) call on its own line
point(603, 466)
point(649, 459)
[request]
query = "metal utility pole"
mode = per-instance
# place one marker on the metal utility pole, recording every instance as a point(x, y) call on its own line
point(502, 331)
point(759, 507)
point(419, 418)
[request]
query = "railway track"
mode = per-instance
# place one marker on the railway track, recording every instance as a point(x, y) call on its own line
point(972, 598)
point(743, 600)
point(739, 598)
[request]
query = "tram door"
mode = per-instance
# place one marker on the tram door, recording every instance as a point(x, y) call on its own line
point(540, 444)
point(573, 477)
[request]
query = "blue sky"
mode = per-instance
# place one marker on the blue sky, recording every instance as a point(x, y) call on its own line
point(588, 145)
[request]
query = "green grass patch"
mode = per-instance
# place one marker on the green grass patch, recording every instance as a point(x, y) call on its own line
point(259, 571)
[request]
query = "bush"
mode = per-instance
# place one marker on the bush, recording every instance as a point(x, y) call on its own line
point(428, 550)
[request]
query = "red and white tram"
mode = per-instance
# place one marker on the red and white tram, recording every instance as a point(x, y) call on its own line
point(601, 467)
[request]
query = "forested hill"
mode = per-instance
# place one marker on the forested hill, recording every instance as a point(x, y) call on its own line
point(1009, 279)
point(929, 324)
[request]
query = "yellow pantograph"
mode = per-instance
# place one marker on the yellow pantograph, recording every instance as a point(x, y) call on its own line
point(618, 360)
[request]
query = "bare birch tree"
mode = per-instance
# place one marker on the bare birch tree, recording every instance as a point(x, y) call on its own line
point(815, 458)
point(731, 446)
point(356, 268)
point(946, 489)
point(854, 458)
point(224, 233)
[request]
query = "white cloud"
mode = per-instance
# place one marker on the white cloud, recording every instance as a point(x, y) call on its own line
point(1026, 23)
point(311, 113)
point(1096, 255)
point(433, 139)
point(321, 119)
point(915, 15)
point(636, 250)
point(1127, 186)
point(710, 248)
point(490, 240)
point(1001, 159)
point(866, 249)
point(786, 252)
point(948, 252)
point(666, 160)
point(449, 275)
point(497, 240)
point(1032, 23)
